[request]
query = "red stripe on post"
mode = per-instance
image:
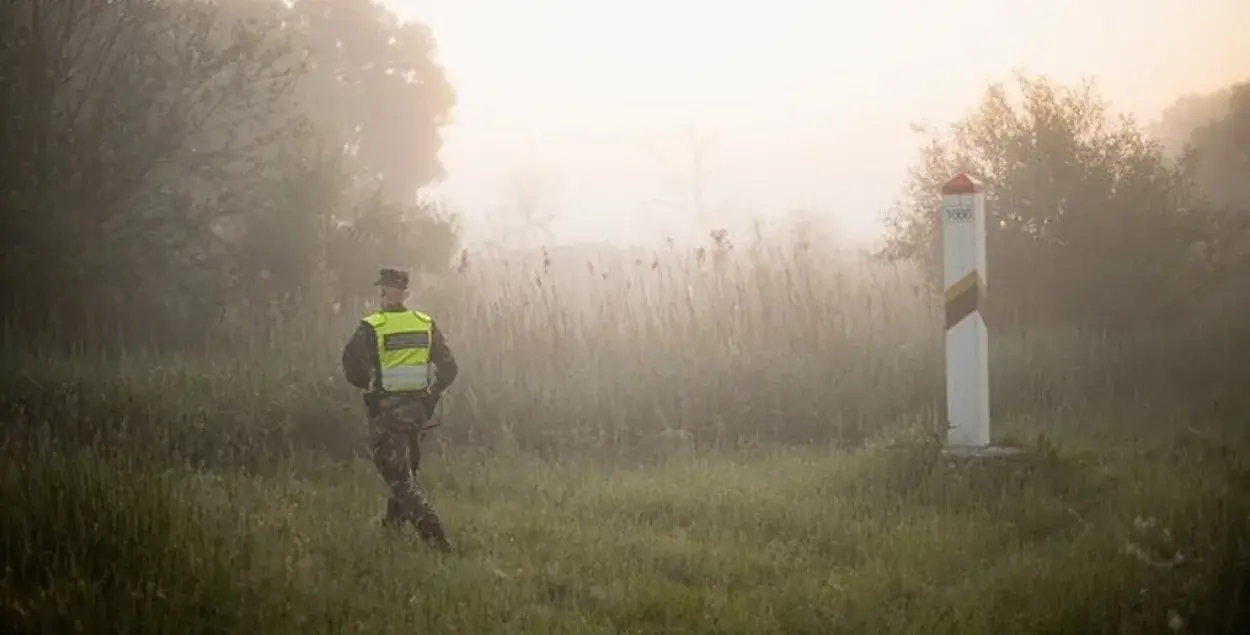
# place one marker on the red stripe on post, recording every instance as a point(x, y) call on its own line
point(961, 184)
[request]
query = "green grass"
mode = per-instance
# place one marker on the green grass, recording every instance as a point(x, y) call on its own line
point(789, 541)
point(681, 449)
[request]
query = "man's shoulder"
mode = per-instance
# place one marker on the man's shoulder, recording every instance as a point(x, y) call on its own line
point(379, 318)
point(363, 332)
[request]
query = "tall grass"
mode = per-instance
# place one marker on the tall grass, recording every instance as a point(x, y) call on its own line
point(626, 352)
point(228, 493)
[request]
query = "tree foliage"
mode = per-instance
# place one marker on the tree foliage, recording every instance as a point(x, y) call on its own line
point(380, 92)
point(1219, 150)
point(1089, 221)
point(168, 164)
point(1178, 122)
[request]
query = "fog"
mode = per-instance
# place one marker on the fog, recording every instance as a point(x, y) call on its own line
point(795, 104)
point(687, 260)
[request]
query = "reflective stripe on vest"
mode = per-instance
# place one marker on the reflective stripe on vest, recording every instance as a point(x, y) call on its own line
point(403, 340)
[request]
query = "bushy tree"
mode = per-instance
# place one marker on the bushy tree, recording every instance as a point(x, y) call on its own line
point(1220, 152)
point(1217, 156)
point(111, 177)
point(1177, 123)
point(348, 199)
point(172, 164)
point(375, 88)
point(1086, 217)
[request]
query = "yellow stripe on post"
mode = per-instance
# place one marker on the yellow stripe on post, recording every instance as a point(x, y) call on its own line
point(964, 298)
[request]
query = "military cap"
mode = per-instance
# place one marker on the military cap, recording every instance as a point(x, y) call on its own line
point(392, 278)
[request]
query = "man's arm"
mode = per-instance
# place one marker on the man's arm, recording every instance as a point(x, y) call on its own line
point(444, 361)
point(359, 357)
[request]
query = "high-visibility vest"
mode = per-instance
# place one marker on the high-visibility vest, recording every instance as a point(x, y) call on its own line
point(403, 341)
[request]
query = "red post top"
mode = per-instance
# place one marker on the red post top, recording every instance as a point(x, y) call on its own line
point(961, 184)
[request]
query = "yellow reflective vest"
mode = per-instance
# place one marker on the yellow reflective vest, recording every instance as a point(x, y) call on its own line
point(403, 341)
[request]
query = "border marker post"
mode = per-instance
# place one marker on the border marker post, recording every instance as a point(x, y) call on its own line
point(963, 226)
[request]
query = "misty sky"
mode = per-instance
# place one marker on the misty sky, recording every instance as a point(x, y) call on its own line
point(802, 104)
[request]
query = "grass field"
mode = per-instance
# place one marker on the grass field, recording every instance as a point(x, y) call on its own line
point(752, 469)
point(786, 542)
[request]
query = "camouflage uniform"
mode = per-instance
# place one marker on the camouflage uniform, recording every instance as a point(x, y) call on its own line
point(396, 422)
point(395, 425)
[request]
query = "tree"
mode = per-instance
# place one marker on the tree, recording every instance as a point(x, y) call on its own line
point(530, 191)
point(110, 111)
point(1177, 122)
point(346, 199)
point(1217, 157)
point(689, 169)
point(376, 89)
point(1083, 210)
point(1220, 151)
point(168, 165)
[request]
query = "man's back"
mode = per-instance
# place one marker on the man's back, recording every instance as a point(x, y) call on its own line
point(361, 364)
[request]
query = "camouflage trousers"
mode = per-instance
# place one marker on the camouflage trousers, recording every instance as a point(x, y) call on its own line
point(396, 424)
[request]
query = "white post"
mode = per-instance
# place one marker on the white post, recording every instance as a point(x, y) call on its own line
point(967, 345)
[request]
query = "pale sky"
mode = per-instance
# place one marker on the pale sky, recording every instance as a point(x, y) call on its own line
point(804, 104)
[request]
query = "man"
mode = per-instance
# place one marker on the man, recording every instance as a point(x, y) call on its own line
point(393, 356)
